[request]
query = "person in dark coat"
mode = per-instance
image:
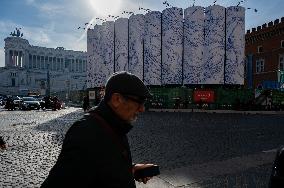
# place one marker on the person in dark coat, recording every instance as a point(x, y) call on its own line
point(2, 143)
point(95, 151)
point(86, 103)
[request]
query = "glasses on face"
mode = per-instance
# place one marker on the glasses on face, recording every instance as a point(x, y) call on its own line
point(140, 101)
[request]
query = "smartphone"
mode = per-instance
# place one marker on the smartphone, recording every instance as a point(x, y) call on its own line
point(147, 172)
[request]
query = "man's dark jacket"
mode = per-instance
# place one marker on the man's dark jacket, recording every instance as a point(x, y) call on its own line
point(91, 157)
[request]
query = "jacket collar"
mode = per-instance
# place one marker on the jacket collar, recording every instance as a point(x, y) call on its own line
point(119, 125)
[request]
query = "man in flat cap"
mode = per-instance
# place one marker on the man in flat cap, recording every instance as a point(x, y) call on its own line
point(95, 151)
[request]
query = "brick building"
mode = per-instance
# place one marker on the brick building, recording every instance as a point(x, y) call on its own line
point(264, 51)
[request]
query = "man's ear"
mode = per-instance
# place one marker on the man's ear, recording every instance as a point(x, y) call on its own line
point(115, 100)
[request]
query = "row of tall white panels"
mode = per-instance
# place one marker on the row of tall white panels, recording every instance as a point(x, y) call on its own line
point(193, 45)
point(214, 45)
point(121, 44)
point(152, 48)
point(235, 45)
point(172, 45)
point(136, 38)
point(169, 48)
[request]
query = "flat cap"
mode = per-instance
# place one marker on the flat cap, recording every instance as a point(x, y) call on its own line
point(126, 83)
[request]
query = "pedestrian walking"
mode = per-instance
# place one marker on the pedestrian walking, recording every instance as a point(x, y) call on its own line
point(86, 103)
point(95, 151)
point(3, 144)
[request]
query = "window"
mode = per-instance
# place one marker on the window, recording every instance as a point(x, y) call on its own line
point(53, 64)
point(84, 65)
point(259, 49)
point(61, 65)
point(282, 43)
point(42, 62)
point(281, 62)
point(260, 65)
point(49, 63)
point(80, 65)
point(58, 64)
point(34, 61)
point(38, 62)
point(77, 65)
point(73, 65)
point(13, 82)
point(30, 61)
point(67, 62)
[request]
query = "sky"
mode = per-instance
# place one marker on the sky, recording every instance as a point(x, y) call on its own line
point(54, 23)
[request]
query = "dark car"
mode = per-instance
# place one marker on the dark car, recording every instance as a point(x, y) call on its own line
point(29, 103)
point(17, 100)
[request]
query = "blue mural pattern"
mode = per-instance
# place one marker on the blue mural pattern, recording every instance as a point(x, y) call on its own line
point(235, 45)
point(152, 48)
point(172, 45)
point(136, 40)
point(90, 57)
point(214, 46)
point(99, 76)
point(107, 52)
point(193, 45)
point(121, 44)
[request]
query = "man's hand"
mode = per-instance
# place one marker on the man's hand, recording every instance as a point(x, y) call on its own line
point(3, 146)
point(139, 167)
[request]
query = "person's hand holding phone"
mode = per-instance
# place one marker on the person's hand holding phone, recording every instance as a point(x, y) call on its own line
point(144, 172)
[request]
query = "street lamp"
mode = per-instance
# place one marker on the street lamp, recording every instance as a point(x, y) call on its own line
point(48, 81)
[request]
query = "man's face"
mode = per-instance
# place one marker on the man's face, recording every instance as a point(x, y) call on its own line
point(129, 107)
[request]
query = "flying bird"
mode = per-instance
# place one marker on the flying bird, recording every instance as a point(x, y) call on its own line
point(255, 10)
point(239, 3)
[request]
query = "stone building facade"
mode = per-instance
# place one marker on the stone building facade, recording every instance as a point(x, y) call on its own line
point(265, 55)
point(32, 68)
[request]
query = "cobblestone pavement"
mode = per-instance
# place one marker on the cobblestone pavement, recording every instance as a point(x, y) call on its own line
point(172, 140)
point(34, 140)
point(175, 140)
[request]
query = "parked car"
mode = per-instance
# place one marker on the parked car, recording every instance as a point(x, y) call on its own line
point(28, 103)
point(17, 100)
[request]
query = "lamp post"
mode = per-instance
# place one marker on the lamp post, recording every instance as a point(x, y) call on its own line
point(68, 89)
point(48, 81)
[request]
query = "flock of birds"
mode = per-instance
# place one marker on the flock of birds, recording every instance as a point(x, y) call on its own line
point(166, 3)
